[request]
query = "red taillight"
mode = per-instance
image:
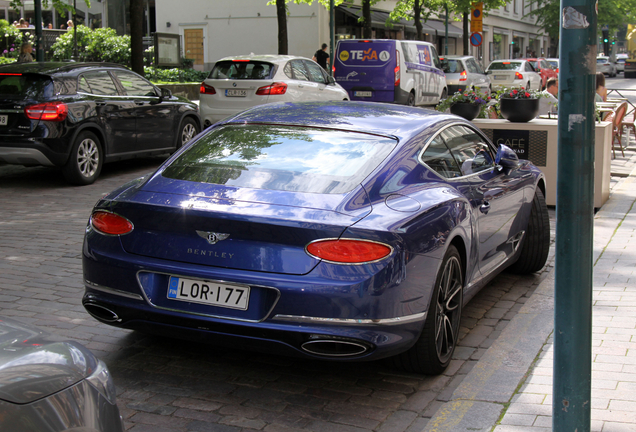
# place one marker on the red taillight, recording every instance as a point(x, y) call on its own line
point(10, 74)
point(278, 88)
point(348, 251)
point(518, 75)
point(397, 68)
point(110, 223)
point(463, 76)
point(206, 89)
point(50, 111)
point(241, 61)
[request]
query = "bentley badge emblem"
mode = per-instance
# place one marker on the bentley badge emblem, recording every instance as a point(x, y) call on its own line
point(212, 237)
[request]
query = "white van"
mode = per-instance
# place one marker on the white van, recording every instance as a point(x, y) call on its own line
point(387, 70)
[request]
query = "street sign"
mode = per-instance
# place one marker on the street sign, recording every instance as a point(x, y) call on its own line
point(476, 11)
point(476, 26)
point(476, 39)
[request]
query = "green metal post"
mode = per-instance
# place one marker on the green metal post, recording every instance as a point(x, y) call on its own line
point(39, 51)
point(446, 31)
point(332, 34)
point(572, 379)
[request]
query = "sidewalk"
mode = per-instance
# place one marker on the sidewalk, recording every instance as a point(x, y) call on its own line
point(510, 388)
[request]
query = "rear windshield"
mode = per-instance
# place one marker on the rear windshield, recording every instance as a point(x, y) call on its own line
point(452, 66)
point(241, 70)
point(25, 86)
point(505, 66)
point(602, 60)
point(282, 158)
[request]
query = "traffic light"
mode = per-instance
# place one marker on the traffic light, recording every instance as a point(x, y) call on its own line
point(606, 47)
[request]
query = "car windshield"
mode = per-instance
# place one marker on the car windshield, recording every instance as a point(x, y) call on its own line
point(283, 158)
point(25, 86)
point(553, 63)
point(452, 66)
point(505, 66)
point(235, 69)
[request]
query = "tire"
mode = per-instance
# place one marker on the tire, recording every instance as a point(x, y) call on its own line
point(410, 101)
point(188, 130)
point(433, 351)
point(86, 160)
point(535, 244)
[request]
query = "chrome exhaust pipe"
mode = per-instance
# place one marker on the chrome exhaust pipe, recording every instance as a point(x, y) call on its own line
point(102, 313)
point(334, 347)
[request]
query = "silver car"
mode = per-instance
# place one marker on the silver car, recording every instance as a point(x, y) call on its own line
point(513, 73)
point(241, 82)
point(607, 66)
point(48, 384)
point(464, 72)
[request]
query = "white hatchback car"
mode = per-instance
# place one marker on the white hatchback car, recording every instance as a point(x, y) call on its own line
point(240, 82)
point(513, 73)
point(607, 66)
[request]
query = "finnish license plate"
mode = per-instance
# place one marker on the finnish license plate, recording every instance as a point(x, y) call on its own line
point(3, 120)
point(235, 93)
point(209, 292)
point(363, 94)
point(500, 77)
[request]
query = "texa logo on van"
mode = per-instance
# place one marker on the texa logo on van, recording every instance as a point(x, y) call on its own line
point(364, 55)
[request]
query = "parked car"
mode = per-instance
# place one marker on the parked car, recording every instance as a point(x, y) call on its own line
point(543, 68)
point(554, 62)
point(606, 65)
point(464, 72)
point(49, 384)
point(513, 73)
point(387, 70)
point(78, 116)
point(620, 62)
point(330, 230)
point(240, 82)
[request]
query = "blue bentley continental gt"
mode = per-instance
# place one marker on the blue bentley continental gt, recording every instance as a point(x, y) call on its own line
point(340, 230)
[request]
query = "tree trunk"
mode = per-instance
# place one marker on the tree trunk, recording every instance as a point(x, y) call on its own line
point(466, 35)
point(417, 18)
point(367, 33)
point(136, 36)
point(281, 12)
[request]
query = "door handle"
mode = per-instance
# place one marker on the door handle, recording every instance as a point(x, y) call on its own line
point(100, 104)
point(138, 103)
point(300, 86)
point(484, 207)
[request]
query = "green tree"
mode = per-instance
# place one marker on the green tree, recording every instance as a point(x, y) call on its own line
point(418, 10)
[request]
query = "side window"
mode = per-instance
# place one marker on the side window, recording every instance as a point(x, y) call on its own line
point(435, 57)
point(298, 70)
point(438, 158)
point(288, 70)
point(472, 66)
point(315, 72)
point(469, 149)
point(134, 84)
point(98, 83)
point(529, 68)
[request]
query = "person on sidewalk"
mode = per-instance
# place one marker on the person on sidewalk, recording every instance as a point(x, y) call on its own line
point(548, 102)
point(25, 53)
point(322, 57)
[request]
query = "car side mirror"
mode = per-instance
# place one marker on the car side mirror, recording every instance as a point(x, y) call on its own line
point(166, 93)
point(507, 158)
point(330, 79)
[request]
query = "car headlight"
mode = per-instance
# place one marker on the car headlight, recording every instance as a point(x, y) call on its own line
point(102, 381)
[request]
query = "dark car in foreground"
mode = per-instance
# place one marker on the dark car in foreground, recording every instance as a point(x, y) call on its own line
point(342, 231)
point(77, 116)
point(50, 384)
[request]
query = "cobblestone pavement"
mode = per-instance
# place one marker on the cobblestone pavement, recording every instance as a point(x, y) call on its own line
point(167, 385)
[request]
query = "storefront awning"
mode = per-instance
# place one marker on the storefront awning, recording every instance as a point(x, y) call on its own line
point(379, 19)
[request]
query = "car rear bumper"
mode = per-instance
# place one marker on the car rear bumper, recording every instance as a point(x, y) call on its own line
point(24, 156)
point(33, 151)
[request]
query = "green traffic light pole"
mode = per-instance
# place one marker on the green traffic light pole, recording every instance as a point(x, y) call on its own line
point(572, 379)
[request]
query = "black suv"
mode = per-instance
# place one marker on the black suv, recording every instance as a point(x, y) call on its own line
point(79, 115)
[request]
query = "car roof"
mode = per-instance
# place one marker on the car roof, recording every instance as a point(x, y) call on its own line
point(457, 57)
point(385, 119)
point(272, 58)
point(49, 68)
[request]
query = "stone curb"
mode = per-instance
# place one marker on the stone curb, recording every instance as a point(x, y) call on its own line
point(482, 397)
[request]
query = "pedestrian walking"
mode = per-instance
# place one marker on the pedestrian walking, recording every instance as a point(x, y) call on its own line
point(322, 57)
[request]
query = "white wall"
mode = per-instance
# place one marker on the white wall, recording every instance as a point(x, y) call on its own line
point(245, 26)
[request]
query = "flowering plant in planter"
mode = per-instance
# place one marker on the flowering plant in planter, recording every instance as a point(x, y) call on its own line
point(467, 96)
point(520, 93)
